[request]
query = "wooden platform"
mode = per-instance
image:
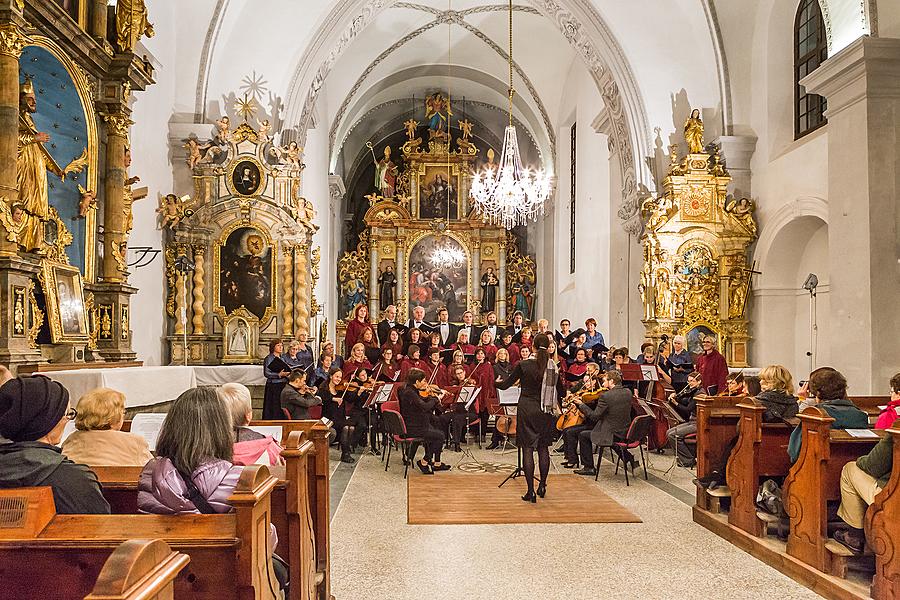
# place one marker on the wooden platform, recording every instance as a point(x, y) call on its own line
point(474, 499)
point(772, 552)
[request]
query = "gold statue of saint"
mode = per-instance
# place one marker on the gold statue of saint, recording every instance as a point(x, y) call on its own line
point(131, 24)
point(693, 132)
point(32, 163)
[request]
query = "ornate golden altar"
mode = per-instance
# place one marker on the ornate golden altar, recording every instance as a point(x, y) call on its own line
point(696, 277)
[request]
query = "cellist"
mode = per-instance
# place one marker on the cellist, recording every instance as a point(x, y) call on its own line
point(589, 382)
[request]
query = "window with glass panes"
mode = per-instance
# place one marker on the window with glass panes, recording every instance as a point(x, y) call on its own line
point(810, 50)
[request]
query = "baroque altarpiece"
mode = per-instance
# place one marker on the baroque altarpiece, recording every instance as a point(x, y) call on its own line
point(240, 264)
point(67, 73)
point(423, 244)
point(696, 276)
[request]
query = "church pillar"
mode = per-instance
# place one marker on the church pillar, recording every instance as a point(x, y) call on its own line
point(12, 42)
point(738, 151)
point(114, 209)
point(501, 276)
point(98, 22)
point(476, 276)
point(862, 86)
point(373, 280)
point(400, 270)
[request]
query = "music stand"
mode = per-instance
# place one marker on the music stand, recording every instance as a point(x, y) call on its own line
point(466, 396)
point(509, 399)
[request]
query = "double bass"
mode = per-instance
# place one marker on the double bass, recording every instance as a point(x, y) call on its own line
point(656, 398)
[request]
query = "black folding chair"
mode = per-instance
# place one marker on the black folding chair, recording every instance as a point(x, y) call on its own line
point(638, 432)
point(395, 428)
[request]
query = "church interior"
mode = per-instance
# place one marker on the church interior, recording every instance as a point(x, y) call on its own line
point(380, 299)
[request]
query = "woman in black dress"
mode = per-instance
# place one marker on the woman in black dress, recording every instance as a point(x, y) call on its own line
point(275, 382)
point(535, 417)
point(335, 409)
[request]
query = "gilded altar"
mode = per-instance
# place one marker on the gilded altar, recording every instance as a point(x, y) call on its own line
point(696, 277)
point(422, 242)
point(240, 262)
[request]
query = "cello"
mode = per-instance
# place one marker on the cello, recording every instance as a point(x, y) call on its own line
point(655, 398)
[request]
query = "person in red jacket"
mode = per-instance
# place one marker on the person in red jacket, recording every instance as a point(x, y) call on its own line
point(711, 365)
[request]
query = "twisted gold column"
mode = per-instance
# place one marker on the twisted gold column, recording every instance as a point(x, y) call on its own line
point(287, 309)
point(198, 292)
point(12, 42)
point(302, 290)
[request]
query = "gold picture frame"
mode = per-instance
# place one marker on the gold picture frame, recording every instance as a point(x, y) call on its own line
point(64, 297)
point(431, 183)
point(247, 178)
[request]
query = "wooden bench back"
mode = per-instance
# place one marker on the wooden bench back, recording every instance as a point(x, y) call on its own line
point(717, 418)
point(882, 531)
point(814, 480)
point(139, 570)
point(229, 554)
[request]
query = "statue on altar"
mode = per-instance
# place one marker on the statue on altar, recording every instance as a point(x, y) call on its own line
point(131, 24)
point(32, 164)
point(522, 295)
point(693, 132)
point(489, 285)
point(386, 174)
point(387, 281)
point(438, 113)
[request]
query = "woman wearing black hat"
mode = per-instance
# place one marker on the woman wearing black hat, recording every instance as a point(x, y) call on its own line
point(538, 403)
point(33, 414)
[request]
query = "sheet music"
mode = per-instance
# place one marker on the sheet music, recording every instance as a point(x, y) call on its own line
point(147, 425)
point(649, 373)
point(509, 397)
point(862, 433)
point(467, 394)
point(383, 394)
point(275, 431)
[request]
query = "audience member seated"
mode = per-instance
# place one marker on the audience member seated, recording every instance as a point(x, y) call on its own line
point(193, 471)
point(98, 440)
point(33, 414)
point(250, 447)
point(861, 481)
point(828, 388)
point(297, 397)
point(777, 394)
point(892, 411)
point(685, 404)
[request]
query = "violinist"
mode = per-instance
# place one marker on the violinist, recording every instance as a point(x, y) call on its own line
point(394, 343)
point(610, 418)
point(581, 391)
point(486, 343)
point(502, 371)
point(359, 388)
point(297, 397)
point(457, 416)
point(685, 404)
point(412, 361)
point(387, 368)
point(735, 386)
point(417, 406)
point(435, 369)
point(357, 360)
point(333, 408)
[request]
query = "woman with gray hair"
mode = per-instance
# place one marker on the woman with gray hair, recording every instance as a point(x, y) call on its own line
point(250, 447)
point(680, 363)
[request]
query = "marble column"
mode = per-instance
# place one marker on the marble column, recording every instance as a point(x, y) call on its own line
point(373, 280)
point(114, 213)
point(862, 85)
point(476, 275)
point(400, 271)
point(737, 151)
point(12, 41)
point(501, 291)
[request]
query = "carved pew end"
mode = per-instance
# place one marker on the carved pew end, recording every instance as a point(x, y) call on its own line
point(139, 569)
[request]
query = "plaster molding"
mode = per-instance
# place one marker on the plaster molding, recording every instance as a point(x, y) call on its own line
point(209, 47)
point(771, 226)
point(712, 21)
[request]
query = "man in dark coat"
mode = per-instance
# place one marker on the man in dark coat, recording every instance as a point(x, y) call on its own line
point(611, 419)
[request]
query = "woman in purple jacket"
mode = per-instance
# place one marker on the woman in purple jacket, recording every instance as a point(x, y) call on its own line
point(192, 472)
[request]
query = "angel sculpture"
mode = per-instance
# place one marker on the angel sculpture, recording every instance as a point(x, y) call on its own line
point(742, 210)
point(223, 126)
point(289, 154)
point(172, 209)
point(264, 128)
point(88, 201)
point(411, 128)
point(198, 154)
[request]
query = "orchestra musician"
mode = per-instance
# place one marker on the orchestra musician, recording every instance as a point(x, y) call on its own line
point(356, 326)
point(502, 370)
point(590, 382)
point(417, 405)
point(457, 416)
point(610, 420)
point(334, 409)
point(297, 397)
point(538, 403)
point(359, 388)
point(685, 404)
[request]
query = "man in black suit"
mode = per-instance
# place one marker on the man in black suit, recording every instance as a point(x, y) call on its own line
point(611, 417)
point(445, 328)
point(491, 325)
point(418, 322)
point(517, 324)
point(469, 327)
point(386, 324)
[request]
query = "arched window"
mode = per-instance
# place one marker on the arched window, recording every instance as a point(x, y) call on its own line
point(810, 50)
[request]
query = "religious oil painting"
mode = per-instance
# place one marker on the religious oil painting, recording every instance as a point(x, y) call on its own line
point(64, 295)
point(438, 276)
point(245, 272)
point(246, 178)
point(438, 193)
point(695, 338)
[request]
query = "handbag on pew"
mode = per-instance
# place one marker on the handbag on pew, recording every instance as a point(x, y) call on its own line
point(769, 499)
point(279, 565)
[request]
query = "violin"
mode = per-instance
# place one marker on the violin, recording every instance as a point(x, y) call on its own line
point(355, 386)
point(572, 415)
point(431, 390)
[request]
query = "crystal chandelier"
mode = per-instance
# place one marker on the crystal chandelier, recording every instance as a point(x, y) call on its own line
point(445, 256)
point(511, 195)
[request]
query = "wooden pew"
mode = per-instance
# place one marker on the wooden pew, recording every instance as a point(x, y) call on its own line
point(61, 556)
point(761, 451)
point(717, 419)
point(813, 481)
point(882, 531)
point(291, 512)
point(139, 570)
